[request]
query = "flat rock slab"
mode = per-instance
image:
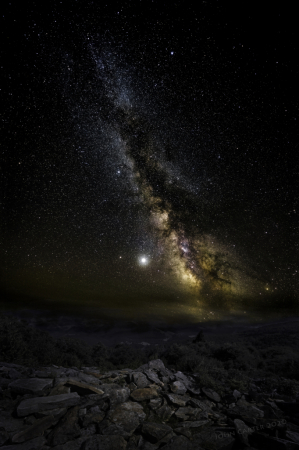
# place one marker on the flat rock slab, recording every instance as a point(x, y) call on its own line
point(193, 423)
point(83, 388)
point(37, 404)
point(33, 386)
point(179, 400)
point(99, 442)
point(144, 394)
point(35, 430)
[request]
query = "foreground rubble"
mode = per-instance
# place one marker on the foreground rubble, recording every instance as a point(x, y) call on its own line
point(149, 408)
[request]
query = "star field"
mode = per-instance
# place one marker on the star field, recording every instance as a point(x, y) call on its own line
point(149, 158)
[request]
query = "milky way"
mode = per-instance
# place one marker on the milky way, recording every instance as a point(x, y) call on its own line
point(146, 180)
point(177, 209)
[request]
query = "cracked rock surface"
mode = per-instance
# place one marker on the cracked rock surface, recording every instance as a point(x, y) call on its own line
point(149, 408)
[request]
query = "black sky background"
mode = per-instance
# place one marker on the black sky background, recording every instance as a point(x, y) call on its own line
point(213, 90)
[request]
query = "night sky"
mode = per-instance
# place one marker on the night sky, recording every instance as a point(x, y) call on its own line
point(149, 158)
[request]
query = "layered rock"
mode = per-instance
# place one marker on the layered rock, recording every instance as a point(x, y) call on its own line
point(149, 408)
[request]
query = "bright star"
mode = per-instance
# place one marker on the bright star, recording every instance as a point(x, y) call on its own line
point(143, 260)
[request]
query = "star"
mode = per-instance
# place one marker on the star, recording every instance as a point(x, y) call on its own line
point(143, 260)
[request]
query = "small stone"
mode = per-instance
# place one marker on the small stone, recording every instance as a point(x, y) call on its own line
point(180, 443)
point(155, 403)
point(156, 364)
point(115, 430)
point(292, 436)
point(189, 413)
point(116, 393)
point(237, 394)
point(154, 432)
point(60, 389)
point(152, 376)
point(164, 412)
point(132, 386)
point(33, 431)
point(242, 431)
point(4, 437)
point(75, 444)
point(212, 395)
point(180, 376)
point(211, 440)
point(194, 424)
point(33, 444)
point(99, 442)
point(194, 390)
point(144, 394)
point(179, 400)
point(67, 428)
point(178, 387)
point(88, 419)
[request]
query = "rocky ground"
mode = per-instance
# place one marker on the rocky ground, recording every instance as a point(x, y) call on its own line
point(149, 408)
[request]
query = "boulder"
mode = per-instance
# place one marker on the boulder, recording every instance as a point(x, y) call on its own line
point(140, 380)
point(127, 415)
